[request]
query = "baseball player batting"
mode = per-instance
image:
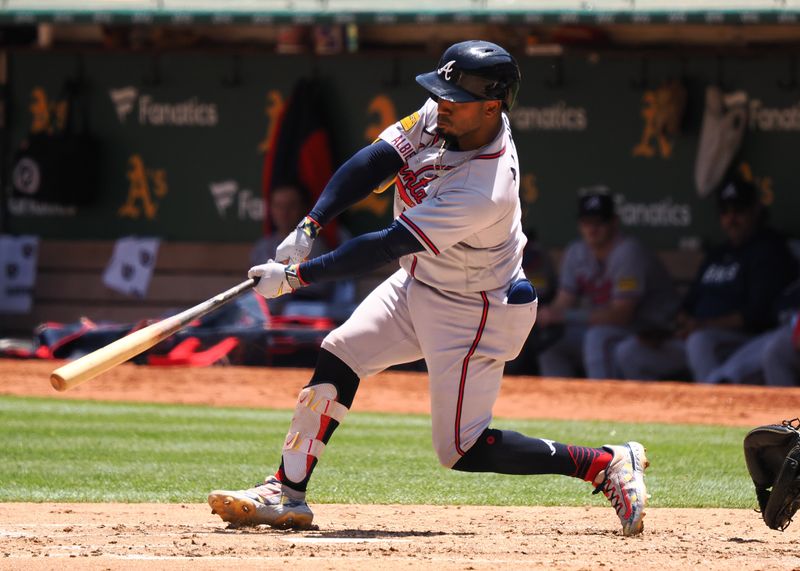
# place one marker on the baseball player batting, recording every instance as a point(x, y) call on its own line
point(460, 299)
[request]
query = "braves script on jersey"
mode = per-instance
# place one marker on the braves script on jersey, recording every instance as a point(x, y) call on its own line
point(462, 206)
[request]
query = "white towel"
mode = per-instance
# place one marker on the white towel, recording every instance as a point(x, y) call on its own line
point(721, 135)
point(131, 266)
point(18, 259)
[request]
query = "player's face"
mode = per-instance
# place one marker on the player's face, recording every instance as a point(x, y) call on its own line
point(285, 208)
point(455, 119)
point(738, 223)
point(596, 232)
point(468, 123)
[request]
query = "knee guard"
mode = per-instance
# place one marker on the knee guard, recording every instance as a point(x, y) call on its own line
point(316, 407)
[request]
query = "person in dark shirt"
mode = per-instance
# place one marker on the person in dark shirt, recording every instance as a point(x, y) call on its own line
point(771, 357)
point(731, 299)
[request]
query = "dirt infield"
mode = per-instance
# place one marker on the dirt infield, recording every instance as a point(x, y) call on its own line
point(158, 536)
point(187, 536)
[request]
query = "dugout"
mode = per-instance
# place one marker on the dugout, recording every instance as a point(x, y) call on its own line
point(179, 98)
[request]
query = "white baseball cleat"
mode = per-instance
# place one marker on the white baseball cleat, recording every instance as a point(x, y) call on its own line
point(269, 503)
point(622, 482)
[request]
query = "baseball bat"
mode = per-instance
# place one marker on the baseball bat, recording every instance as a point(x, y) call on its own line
point(89, 366)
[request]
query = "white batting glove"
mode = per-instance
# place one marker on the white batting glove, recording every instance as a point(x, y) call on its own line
point(297, 246)
point(272, 280)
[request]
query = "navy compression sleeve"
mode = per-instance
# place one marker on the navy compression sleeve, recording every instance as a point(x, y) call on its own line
point(355, 179)
point(361, 255)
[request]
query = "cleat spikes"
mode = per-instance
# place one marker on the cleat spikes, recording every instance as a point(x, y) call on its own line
point(266, 504)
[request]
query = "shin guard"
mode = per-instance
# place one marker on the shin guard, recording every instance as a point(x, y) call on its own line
point(316, 408)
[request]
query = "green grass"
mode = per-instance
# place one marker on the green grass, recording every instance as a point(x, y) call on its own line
point(77, 451)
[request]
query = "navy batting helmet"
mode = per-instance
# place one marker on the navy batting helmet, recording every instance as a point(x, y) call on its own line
point(474, 71)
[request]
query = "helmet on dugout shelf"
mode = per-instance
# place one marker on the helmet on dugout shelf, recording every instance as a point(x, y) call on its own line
point(474, 70)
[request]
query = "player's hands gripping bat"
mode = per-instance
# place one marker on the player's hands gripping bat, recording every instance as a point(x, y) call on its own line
point(297, 245)
point(275, 279)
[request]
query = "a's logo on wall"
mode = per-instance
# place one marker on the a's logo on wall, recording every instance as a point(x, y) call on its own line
point(226, 193)
point(146, 188)
point(273, 110)
point(662, 111)
point(762, 182)
point(124, 99)
point(189, 113)
point(47, 115)
point(382, 112)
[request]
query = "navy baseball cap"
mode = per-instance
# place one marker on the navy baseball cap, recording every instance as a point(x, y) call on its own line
point(737, 193)
point(596, 204)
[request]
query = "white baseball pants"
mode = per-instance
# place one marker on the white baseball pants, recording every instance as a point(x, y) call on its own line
point(465, 339)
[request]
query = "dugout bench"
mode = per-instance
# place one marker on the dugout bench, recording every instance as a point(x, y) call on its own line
point(69, 290)
point(69, 281)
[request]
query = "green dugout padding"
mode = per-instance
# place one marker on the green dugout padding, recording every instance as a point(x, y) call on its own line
point(182, 138)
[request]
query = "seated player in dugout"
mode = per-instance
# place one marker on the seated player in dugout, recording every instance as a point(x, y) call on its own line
point(770, 358)
point(610, 287)
point(732, 297)
point(781, 356)
point(460, 299)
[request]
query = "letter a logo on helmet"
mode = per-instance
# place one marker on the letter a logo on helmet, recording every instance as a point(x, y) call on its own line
point(474, 70)
point(447, 69)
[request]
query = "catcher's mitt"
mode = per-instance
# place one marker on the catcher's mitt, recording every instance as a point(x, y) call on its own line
point(772, 453)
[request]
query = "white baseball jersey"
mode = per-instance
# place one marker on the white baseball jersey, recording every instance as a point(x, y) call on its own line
point(463, 207)
point(449, 303)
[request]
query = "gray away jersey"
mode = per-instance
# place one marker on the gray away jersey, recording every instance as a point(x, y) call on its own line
point(630, 271)
point(463, 206)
